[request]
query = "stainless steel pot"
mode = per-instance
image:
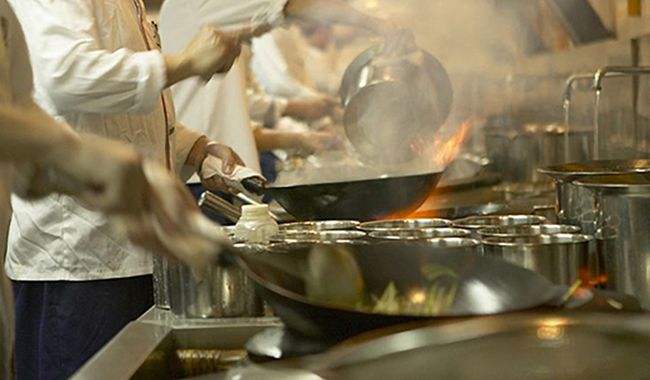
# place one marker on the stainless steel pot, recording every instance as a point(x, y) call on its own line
point(575, 203)
point(404, 224)
point(561, 258)
point(219, 292)
point(518, 152)
point(524, 231)
point(422, 234)
point(621, 205)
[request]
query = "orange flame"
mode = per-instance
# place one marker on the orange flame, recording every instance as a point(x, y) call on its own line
point(444, 151)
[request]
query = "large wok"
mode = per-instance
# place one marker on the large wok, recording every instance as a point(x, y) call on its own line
point(485, 286)
point(362, 200)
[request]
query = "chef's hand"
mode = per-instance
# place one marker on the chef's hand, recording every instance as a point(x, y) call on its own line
point(210, 52)
point(172, 224)
point(311, 108)
point(229, 160)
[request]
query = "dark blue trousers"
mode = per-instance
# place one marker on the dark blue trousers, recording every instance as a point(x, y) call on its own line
point(62, 324)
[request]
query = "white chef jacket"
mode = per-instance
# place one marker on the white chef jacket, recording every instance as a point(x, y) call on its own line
point(15, 88)
point(94, 69)
point(218, 109)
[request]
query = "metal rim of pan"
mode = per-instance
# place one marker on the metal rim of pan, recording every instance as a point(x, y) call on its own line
point(385, 225)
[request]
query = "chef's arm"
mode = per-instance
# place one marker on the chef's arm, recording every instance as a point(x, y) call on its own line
point(333, 12)
point(79, 76)
point(303, 142)
point(29, 134)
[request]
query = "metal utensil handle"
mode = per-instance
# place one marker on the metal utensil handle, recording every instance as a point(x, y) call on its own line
point(213, 202)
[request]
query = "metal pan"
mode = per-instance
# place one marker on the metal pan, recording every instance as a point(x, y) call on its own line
point(519, 346)
point(364, 200)
point(526, 231)
point(403, 224)
point(323, 225)
point(484, 286)
point(318, 236)
point(421, 234)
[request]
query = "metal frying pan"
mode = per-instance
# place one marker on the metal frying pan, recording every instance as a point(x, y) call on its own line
point(362, 200)
point(484, 286)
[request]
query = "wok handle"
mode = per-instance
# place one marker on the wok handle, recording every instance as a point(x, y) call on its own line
point(255, 185)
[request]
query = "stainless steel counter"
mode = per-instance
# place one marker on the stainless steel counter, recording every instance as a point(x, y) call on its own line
point(158, 333)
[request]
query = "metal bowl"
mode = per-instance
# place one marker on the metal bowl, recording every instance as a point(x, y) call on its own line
point(423, 234)
point(479, 222)
point(524, 231)
point(325, 225)
point(404, 224)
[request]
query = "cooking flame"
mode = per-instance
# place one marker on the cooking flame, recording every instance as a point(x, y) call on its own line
point(445, 152)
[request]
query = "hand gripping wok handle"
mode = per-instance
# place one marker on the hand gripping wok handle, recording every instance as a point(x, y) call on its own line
point(254, 184)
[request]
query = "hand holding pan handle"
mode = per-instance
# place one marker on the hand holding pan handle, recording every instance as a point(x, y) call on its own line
point(255, 185)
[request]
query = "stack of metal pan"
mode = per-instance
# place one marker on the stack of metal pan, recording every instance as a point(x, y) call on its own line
point(432, 232)
point(558, 252)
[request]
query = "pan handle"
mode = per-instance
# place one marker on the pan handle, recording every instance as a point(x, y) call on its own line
point(255, 185)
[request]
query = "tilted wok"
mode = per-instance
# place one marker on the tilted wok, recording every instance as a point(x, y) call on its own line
point(363, 200)
point(485, 286)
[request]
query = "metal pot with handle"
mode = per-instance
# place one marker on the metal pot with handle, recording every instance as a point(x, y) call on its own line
point(393, 103)
point(621, 205)
point(575, 203)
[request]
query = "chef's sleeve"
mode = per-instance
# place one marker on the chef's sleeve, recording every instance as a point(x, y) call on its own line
point(271, 70)
point(184, 140)
point(78, 75)
point(234, 13)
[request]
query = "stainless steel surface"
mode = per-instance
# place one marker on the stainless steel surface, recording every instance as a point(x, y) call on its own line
point(421, 234)
point(161, 283)
point(453, 245)
point(561, 258)
point(403, 224)
point(621, 205)
point(518, 152)
point(324, 225)
point(143, 348)
point(575, 203)
point(519, 346)
point(523, 231)
point(218, 292)
point(318, 236)
point(393, 103)
point(476, 223)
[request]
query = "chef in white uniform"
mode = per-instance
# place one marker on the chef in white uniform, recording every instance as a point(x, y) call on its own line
point(105, 173)
point(219, 108)
point(76, 280)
